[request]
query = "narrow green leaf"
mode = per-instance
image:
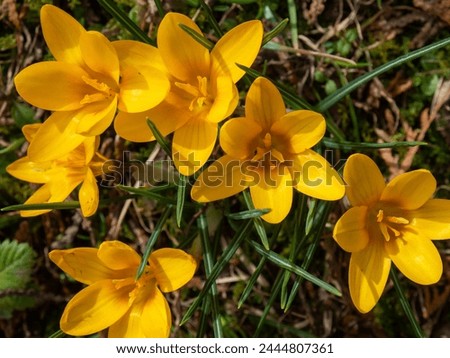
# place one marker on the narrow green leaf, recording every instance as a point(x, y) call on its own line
point(292, 10)
point(202, 40)
point(43, 206)
point(181, 196)
point(274, 291)
point(257, 222)
point(405, 305)
point(211, 19)
point(160, 8)
point(125, 21)
point(151, 241)
point(252, 280)
point(58, 334)
point(13, 146)
point(284, 263)
point(335, 97)
point(268, 36)
point(209, 264)
point(345, 145)
point(321, 216)
point(248, 214)
point(159, 138)
point(236, 242)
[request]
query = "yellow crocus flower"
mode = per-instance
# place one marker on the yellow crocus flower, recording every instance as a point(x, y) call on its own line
point(392, 222)
point(62, 175)
point(89, 80)
point(114, 299)
point(269, 151)
point(202, 93)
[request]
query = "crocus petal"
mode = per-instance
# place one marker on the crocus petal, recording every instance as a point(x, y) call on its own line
point(350, 231)
point(119, 256)
point(314, 176)
point(137, 54)
point(297, 131)
point(416, 257)
point(410, 190)
point(239, 137)
point(62, 34)
point(368, 273)
point(30, 130)
point(193, 144)
point(172, 268)
point(100, 56)
point(264, 103)
point(226, 98)
point(95, 308)
point(55, 138)
point(142, 88)
point(273, 190)
point(166, 117)
point(83, 265)
point(222, 179)
point(239, 45)
point(27, 170)
point(148, 318)
point(51, 85)
point(88, 195)
point(184, 56)
point(365, 183)
point(95, 118)
point(432, 219)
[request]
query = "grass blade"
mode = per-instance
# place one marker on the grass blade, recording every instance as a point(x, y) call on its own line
point(125, 21)
point(252, 280)
point(159, 138)
point(218, 267)
point(211, 19)
point(335, 97)
point(286, 264)
point(248, 214)
point(43, 206)
point(405, 305)
point(181, 196)
point(202, 40)
point(259, 225)
point(209, 263)
point(345, 145)
point(152, 240)
point(268, 36)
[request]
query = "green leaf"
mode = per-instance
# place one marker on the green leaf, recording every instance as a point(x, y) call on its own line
point(181, 196)
point(286, 264)
point(248, 214)
point(236, 242)
point(159, 138)
point(16, 265)
point(202, 40)
point(152, 240)
point(257, 221)
point(125, 21)
point(335, 97)
point(22, 114)
point(346, 145)
point(268, 36)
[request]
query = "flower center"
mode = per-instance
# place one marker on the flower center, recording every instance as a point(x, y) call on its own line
point(102, 91)
point(267, 153)
point(144, 284)
point(197, 95)
point(390, 225)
